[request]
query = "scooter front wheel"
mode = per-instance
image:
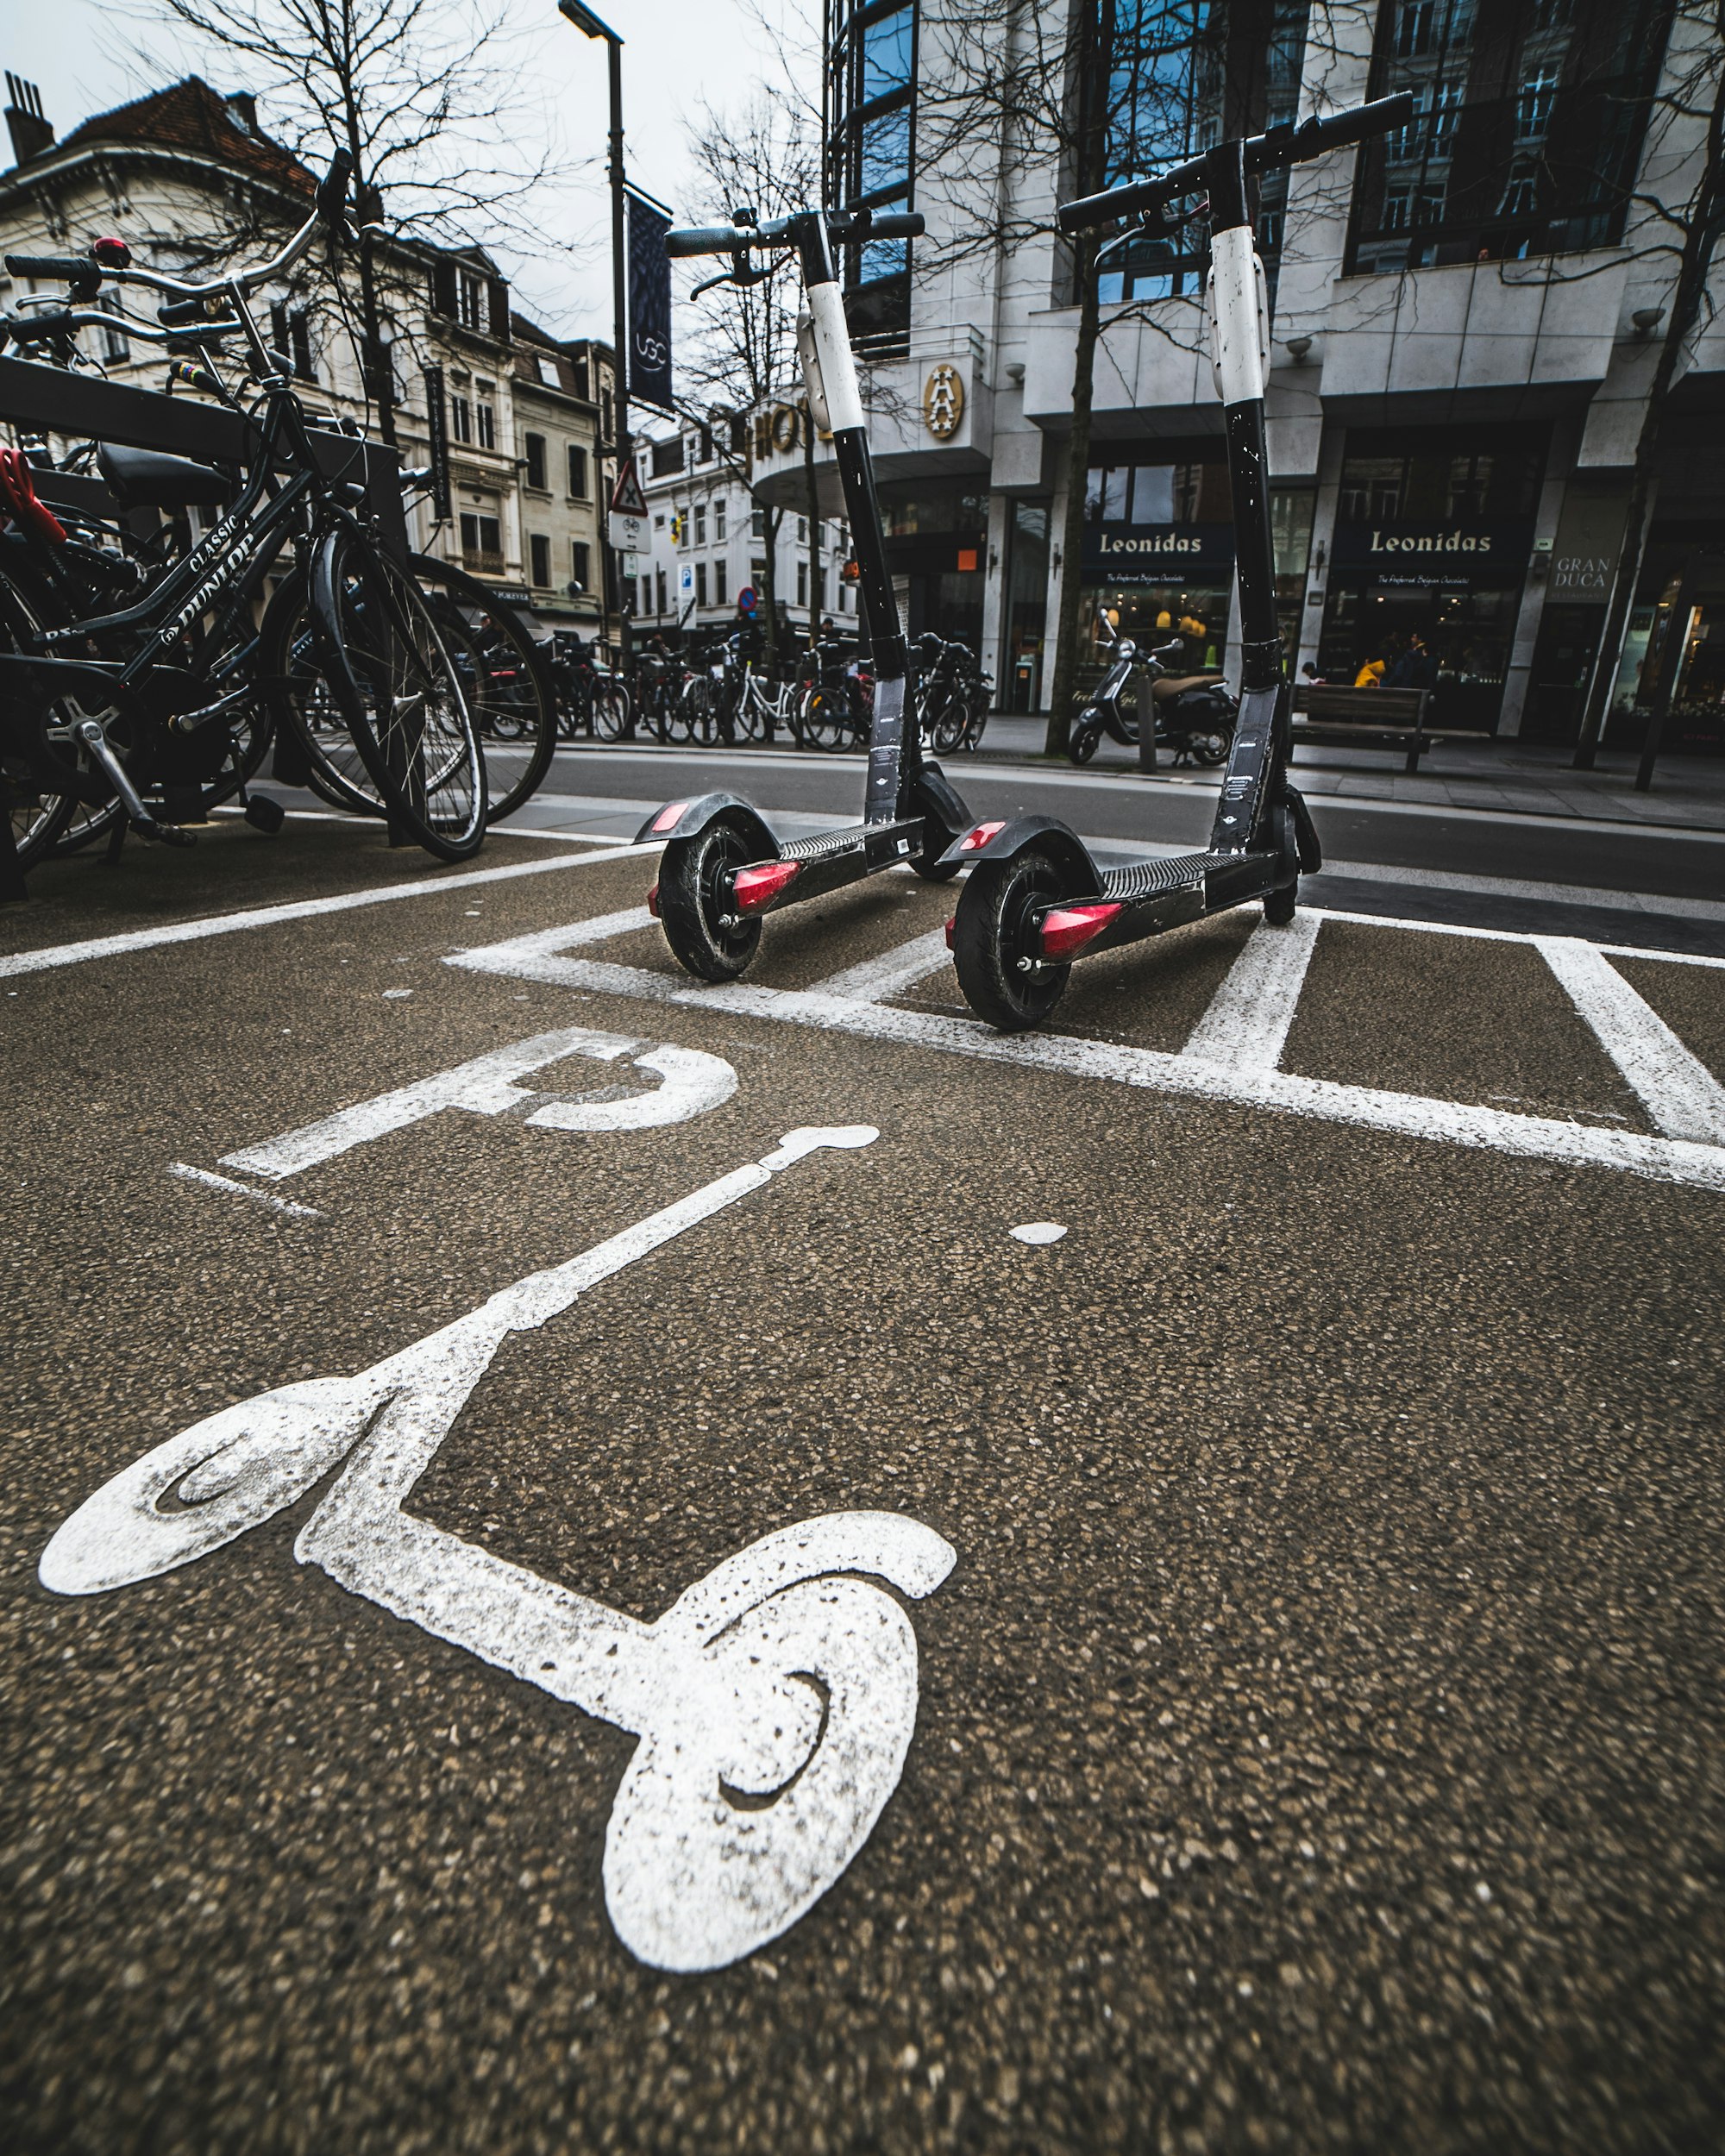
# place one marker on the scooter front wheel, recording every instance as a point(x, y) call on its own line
point(1004, 981)
point(694, 900)
point(1082, 744)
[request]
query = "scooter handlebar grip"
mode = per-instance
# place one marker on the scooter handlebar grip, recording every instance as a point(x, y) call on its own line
point(1381, 116)
point(901, 224)
point(332, 189)
point(706, 239)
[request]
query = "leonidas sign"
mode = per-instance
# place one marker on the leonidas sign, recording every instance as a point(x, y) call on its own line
point(1158, 553)
point(1438, 553)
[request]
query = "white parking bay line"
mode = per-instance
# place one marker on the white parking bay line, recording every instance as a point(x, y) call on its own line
point(890, 974)
point(232, 1189)
point(1679, 1091)
point(1246, 1027)
point(295, 910)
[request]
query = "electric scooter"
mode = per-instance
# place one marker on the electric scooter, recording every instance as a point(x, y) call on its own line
point(1036, 900)
point(1195, 714)
point(722, 869)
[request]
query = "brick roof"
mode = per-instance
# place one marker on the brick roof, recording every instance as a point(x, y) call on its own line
point(190, 116)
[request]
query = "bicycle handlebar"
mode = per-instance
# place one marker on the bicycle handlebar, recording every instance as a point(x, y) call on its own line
point(843, 226)
point(1285, 145)
point(70, 267)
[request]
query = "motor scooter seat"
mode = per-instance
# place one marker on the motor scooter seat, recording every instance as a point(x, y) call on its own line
point(1172, 687)
point(150, 478)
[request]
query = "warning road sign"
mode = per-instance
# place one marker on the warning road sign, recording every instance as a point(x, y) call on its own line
point(626, 526)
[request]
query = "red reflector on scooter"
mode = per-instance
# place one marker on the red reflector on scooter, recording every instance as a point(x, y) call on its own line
point(668, 815)
point(974, 840)
point(950, 925)
point(755, 889)
point(1067, 928)
point(653, 902)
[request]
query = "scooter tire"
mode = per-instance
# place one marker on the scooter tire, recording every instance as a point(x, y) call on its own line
point(991, 936)
point(926, 860)
point(1081, 747)
point(1279, 907)
point(691, 873)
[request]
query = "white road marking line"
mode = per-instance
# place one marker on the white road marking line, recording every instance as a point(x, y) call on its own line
point(1038, 1232)
point(1456, 1123)
point(891, 974)
point(493, 831)
point(172, 932)
point(781, 1675)
point(244, 1190)
point(1676, 1089)
point(1513, 887)
point(1245, 1026)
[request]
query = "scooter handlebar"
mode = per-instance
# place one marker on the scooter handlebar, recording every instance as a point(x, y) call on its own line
point(844, 226)
point(1279, 145)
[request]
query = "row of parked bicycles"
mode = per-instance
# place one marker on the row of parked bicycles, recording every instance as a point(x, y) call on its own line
point(158, 654)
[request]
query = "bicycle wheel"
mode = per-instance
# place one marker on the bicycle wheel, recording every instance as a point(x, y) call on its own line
point(292, 681)
point(400, 692)
point(951, 724)
point(610, 712)
point(507, 679)
point(695, 707)
point(822, 719)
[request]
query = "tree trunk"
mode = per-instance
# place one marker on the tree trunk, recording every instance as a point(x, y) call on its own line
point(769, 588)
point(813, 528)
point(1072, 526)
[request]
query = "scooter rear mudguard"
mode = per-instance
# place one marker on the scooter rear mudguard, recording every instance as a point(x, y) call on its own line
point(685, 818)
point(1046, 833)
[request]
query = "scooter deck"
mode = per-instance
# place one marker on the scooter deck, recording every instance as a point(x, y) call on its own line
point(1167, 893)
point(879, 843)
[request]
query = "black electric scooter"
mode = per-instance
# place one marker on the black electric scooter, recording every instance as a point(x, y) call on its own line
point(722, 869)
point(1036, 899)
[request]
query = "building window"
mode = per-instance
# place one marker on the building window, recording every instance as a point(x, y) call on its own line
point(485, 415)
point(535, 446)
point(758, 524)
point(581, 562)
point(802, 584)
point(659, 580)
point(1526, 132)
point(604, 425)
point(721, 583)
point(114, 345)
point(871, 128)
point(578, 369)
point(471, 301)
point(700, 584)
point(461, 415)
point(667, 457)
point(578, 471)
point(700, 523)
point(539, 554)
point(481, 544)
point(718, 518)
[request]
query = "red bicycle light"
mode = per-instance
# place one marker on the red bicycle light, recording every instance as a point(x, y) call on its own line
point(755, 889)
point(112, 254)
point(1067, 928)
point(950, 925)
point(974, 841)
point(668, 816)
point(653, 902)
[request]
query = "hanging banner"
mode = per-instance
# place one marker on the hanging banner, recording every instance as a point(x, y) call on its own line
point(437, 443)
point(649, 369)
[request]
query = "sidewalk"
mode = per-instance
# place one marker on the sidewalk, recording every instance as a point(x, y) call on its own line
point(1688, 792)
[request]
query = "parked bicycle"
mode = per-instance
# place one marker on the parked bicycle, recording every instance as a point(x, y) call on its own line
point(179, 662)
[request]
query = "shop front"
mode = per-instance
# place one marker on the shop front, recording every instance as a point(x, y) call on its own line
point(1435, 531)
point(1158, 551)
point(936, 533)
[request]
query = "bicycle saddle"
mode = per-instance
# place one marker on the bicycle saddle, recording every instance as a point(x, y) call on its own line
point(141, 478)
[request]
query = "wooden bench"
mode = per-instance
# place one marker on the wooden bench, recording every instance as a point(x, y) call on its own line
point(1393, 719)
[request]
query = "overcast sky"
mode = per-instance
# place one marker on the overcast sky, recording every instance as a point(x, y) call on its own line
point(677, 54)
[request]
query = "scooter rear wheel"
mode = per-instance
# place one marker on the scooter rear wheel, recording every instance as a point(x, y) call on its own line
point(992, 939)
point(693, 875)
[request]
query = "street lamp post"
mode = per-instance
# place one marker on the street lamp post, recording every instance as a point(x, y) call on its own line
point(590, 26)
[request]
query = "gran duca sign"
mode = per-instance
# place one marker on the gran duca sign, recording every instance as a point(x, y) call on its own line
point(1156, 554)
point(1437, 553)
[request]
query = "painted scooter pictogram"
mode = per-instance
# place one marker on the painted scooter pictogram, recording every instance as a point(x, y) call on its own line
point(774, 1700)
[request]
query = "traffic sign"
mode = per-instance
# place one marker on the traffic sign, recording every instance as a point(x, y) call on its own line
point(626, 526)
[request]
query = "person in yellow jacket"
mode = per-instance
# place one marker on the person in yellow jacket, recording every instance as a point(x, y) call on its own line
point(1370, 676)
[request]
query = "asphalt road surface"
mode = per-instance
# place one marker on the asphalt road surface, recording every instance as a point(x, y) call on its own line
point(741, 1649)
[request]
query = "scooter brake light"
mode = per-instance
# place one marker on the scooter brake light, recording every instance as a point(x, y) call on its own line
point(653, 902)
point(755, 889)
point(974, 839)
point(950, 925)
point(671, 813)
point(1067, 928)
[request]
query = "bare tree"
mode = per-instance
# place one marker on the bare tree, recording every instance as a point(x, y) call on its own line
point(1050, 105)
point(742, 359)
point(1678, 213)
point(423, 97)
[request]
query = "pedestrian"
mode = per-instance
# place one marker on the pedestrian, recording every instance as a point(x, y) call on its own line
point(1416, 667)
